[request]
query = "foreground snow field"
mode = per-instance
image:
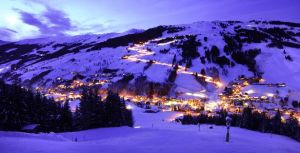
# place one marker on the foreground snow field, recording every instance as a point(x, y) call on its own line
point(153, 133)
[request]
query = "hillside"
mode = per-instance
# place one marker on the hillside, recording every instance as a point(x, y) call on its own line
point(209, 55)
point(2, 42)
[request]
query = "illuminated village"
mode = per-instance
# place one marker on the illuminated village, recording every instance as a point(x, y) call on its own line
point(233, 97)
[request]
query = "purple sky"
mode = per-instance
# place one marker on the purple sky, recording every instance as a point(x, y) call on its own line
point(20, 19)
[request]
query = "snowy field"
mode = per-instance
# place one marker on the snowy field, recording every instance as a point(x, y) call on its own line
point(153, 133)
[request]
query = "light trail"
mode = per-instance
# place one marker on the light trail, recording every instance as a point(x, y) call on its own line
point(139, 48)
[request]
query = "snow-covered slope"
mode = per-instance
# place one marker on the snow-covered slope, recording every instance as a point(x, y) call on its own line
point(2, 42)
point(153, 133)
point(225, 50)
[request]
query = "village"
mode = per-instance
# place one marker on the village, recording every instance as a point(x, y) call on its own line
point(243, 92)
point(253, 92)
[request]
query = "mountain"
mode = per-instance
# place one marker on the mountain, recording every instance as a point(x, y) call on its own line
point(167, 60)
point(2, 42)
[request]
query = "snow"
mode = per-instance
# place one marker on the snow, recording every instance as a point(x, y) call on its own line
point(153, 132)
point(278, 69)
point(187, 83)
point(86, 38)
point(30, 127)
point(88, 63)
point(157, 73)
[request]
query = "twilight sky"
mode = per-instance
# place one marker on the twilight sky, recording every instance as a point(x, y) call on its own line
point(20, 19)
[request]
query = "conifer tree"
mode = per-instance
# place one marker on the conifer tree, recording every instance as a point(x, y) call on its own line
point(276, 123)
point(174, 60)
point(66, 120)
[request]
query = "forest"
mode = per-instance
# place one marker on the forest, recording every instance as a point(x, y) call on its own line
point(20, 107)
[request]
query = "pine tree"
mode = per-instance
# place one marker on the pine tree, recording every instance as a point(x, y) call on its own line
point(190, 48)
point(150, 91)
point(100, 112)
point(116, 112)
point(188, 63)
point(113, 111)
point(66, 120)
point(89, 108)
point(215, 53)
point(246, 118)
point(174, 60)
point(129, 118)
point(173, 74)
point(276, 123)
point(203, 72)
point(13, 108)
point(264, 123)
point(76, 119)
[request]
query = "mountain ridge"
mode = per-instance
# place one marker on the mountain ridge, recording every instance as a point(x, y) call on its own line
point(224, 50)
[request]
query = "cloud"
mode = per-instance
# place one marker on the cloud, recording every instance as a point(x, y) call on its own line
point(59, 19)
point(95, 28)
point(7, 34)
point(51, 22)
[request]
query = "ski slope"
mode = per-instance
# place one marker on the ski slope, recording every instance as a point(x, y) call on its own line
point(67, 56)
point(153, 133)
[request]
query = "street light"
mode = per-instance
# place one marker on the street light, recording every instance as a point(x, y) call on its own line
point(228, 122)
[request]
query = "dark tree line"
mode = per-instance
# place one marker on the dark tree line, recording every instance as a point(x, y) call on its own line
point(190, 48)
point(296, 104)
point(173, 74)
point(247, 58)
point(94, 113)
point(20, 107)
point(275, 37)
point(213, 56)
point(136, 37)
point(251, 120)
point(233, 48)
